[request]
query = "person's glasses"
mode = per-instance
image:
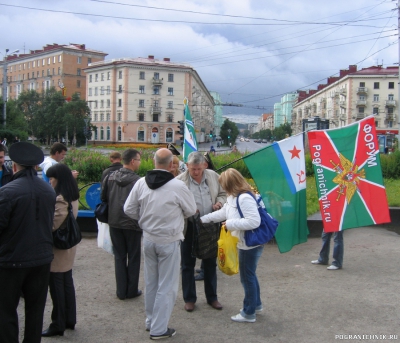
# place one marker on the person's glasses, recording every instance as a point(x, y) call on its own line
point(136, 159)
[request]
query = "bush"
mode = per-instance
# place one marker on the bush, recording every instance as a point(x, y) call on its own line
point(391, 165)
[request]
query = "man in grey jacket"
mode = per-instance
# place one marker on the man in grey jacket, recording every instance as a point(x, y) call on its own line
point(160, 202)
point(124, 231)
point(209, 196)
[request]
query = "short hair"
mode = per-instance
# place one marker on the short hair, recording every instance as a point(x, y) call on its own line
point(115, 155)
point(163, 160)
point(196, 157)
point(3, 148)
point(57, 147)
point(233, 182)
point(66, 183)
point(128, 155)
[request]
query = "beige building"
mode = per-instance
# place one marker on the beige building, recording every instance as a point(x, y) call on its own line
point(266, 121)
point(55, 65)
point(352, 96)
point(141, 100)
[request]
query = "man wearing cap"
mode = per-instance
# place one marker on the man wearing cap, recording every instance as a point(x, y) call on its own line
point(5, 172)
point(27, 207)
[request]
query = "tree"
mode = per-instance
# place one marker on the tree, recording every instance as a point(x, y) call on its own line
point(229, 125)
point(28, 103)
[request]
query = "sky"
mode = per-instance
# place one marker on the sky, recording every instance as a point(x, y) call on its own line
point(252, 52)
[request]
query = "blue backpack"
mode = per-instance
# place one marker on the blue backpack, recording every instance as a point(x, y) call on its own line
point(265, 232)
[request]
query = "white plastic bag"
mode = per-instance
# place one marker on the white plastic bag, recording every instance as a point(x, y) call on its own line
point(103, 237)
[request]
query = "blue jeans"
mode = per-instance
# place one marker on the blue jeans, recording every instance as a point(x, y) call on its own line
point(338, 248)
point(248, 260)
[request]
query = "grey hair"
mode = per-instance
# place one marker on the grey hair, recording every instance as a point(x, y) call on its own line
point(162, 161)
point(196, 157)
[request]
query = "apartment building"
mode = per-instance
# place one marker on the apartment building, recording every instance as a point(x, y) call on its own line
point(55, 65)
point(283, 109)
point(266, 121)
point(218, 116)
point(141, 100)
point(351, 96)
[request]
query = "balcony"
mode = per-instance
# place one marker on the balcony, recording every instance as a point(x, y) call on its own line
point(360, 116)
point(343, 91)
point(390, 103)
point(343, 104)
point(362, 90)
point(389, 117)
point(155, 110)
point(361, 103)
point(157, 82)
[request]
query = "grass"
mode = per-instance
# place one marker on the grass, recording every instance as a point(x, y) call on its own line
point(392, 192)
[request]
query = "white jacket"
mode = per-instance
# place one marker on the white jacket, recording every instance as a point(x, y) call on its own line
point(160, 211)
point(234, 222)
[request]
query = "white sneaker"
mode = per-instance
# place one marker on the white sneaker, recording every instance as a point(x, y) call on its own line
point(257, 311)
point(239, 318)
point(316, 262)
point(332, 267)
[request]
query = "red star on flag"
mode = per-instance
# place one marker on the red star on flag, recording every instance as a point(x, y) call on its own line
point(295, 152)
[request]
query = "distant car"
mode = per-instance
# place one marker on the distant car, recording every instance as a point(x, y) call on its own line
point(247, 140)
point(264, 141)
point(242, 139)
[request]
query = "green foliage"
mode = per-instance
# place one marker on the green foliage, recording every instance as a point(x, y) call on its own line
point(309, 165)
point(391, 165)
point(224, 159)
point(392, 191)
point(224, 133)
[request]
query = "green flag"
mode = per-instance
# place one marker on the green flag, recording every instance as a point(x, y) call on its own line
point(190, 143)
point(279, 173)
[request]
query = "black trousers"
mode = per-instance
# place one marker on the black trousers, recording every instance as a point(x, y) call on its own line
point(188, 263)
point(62, 292)
point(33, 283)
point(127, 256)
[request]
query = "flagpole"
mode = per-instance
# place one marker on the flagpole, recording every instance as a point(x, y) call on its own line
point(398, 85)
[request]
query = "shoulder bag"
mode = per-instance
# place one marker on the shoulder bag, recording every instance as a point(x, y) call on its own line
point(69, 234)
point(101, 211)
point(265, 232)
point(205, 238)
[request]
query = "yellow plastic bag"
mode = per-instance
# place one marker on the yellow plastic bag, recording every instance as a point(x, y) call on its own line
point(228, 259)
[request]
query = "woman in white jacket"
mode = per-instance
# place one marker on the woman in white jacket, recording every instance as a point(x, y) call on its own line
point(234, 184)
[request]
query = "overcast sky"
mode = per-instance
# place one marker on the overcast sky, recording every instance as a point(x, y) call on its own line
point(251, 52)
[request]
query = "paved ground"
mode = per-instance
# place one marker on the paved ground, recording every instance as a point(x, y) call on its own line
point(302, 302)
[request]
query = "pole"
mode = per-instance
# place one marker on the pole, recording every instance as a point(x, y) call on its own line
point(398, 84)
point(5, 89)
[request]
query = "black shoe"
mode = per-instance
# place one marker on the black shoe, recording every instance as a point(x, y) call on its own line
point(138, 294)
point(70, 326)
point(168, 333)
point(52, 332)
point(199, 277)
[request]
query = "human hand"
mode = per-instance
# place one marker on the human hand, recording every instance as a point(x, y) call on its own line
point(217, 206)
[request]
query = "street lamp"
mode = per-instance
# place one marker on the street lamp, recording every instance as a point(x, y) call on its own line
point(5, 85)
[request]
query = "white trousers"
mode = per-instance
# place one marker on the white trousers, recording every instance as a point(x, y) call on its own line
point(161, 273)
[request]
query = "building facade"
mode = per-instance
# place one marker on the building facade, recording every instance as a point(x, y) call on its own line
point(352, 96)
point(55, 65)
point(141, 100)
point(218, 116)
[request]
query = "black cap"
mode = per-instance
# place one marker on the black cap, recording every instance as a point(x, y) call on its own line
point(209, 161)
point(26, 154)
point(171, 148)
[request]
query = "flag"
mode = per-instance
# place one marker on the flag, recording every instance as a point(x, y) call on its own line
point(280, 176)
point(348, 176)
point(190, 143)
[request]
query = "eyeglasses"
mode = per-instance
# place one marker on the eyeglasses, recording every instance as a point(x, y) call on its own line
point(137, 159)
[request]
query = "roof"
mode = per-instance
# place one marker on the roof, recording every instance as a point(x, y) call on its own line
point(377, 70)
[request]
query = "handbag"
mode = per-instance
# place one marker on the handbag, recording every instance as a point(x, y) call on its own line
point(68, 235)
point(101, 210)
point(265, 232)
point(228, 259)
point(205, 238)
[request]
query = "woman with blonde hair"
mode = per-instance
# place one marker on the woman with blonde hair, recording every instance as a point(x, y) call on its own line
point(175, 166)
point(234, 184)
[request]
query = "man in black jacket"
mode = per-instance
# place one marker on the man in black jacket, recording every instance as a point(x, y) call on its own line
point(125, 232)
point(27, 207)
point(5, 173)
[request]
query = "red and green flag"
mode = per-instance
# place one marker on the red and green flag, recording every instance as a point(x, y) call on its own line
point(279, 174)
point(348, 176)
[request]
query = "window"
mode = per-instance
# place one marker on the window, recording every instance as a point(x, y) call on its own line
point(141, 117)
point(48, 72)
point(170, 77)
point(155, 116)
point(95, 104)
point(24, 66)
point(95, 117)
point(108, 103)
point(170, 91)
point(96, 91)
point(390, 97)
point(170, 117)
point(391, 85)
point(78, 83)
point(54, 59)
point(90, 91)
point(49, 60)
point(375, 111)
point(59, 58)
point(119, 133)
point(156, 76)
point(95, 134)
point(141, 89)
point(108, 116)
point(119, 102)
point(33, 74)
point(102, 76)
point(101, 116)
point(33, 65)
point(120, 74)
point(362, 97)
point(120, 89)
point(79, 60)
point(38, 74)
point(170, 104)
point(101, 103)
point(361, 110)
point(108, 75)
point(54, 71)
point(168, 135)
point(101, 133)
point(390, 110)
point(140, 136)
point(376, 97)
point(59, 71)
point(156, 90)
point(119, 116)
point(141, 103)
point(90, 78)
point(362, 84)
point(376, 85)
point(108, 90)
point(78, 72)
point(141, 75)
point(108, 133)
point(96, 77)
point(102, 90)
point(89, 60)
